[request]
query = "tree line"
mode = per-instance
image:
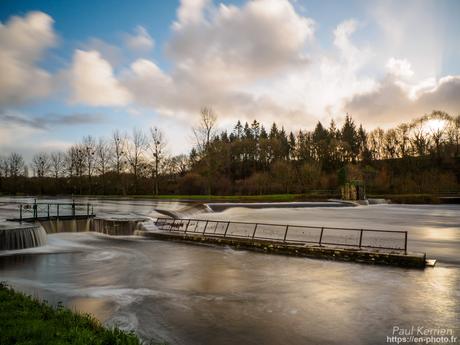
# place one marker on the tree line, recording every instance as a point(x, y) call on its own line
point(421, 156)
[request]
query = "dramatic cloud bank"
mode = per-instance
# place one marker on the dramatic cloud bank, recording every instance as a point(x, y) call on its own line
point(260, 60)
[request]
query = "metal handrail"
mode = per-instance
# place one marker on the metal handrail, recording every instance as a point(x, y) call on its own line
point(170, 224)
point(48, 211)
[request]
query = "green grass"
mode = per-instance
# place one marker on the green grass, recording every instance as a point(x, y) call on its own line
point(26, 321)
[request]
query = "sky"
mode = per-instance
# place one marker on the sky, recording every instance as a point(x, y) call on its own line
point(71, 69)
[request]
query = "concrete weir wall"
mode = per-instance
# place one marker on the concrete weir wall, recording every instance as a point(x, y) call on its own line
point(412, 260)
point(109, 226)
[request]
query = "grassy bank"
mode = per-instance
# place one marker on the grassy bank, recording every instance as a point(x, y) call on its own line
point(25, 320)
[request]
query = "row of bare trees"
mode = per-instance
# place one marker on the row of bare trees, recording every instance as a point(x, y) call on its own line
point(248, 159)
point(123, 159)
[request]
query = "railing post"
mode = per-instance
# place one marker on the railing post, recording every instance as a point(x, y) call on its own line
point(255, 229)
point(57, 211)
point(186, 227)
point(360, 238)
point(48, 211)
point(226, 228)
point(35, 209)
point(73, 208)
point(205, 227)
point(92, 210)
point(285, 233)
point(87, 210)
point(20, 213)
point(405, 242)
point(321, 236)
point(171, 225)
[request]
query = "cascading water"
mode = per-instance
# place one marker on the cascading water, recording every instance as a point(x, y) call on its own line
point(15, 236)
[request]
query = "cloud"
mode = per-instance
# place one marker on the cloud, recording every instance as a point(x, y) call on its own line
point(49, 120)
point(23, 41)
point(93, 83)
point(220, 55)
point(392, 103)
point(140, 41)
point(112, 53)
point(400, 68)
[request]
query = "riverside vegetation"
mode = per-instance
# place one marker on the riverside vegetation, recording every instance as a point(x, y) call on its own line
point(417, 159)
point(25, 320)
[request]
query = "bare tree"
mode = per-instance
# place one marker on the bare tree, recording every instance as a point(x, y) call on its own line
point(157, 147)
point(89, 150)
point(103, 156)
point(15, 164)
point(204, 133)
point(57, 160)
point(75, 163)
point(205, 130)
point(137, 145)
point(119, 150)
point(41, 164)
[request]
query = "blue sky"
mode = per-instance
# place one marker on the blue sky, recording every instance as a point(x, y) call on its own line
point(70, 69)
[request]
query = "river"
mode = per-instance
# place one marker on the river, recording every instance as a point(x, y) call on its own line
point(188, 294)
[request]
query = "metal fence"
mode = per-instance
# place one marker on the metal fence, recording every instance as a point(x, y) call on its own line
point(37, 210)
point(290, 234)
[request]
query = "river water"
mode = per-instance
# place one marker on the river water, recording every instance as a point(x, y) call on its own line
point(188, 294)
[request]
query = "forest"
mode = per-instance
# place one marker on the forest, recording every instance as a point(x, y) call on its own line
point(422, 156)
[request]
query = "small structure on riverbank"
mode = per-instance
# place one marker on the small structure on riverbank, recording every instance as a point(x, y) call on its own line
point(353, 190)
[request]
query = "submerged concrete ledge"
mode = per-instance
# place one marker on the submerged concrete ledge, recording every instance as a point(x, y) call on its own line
point(410, 260)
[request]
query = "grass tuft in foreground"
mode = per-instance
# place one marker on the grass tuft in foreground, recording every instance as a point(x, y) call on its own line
point(25, 320)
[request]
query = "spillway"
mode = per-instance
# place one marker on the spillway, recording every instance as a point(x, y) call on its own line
point(15, 236)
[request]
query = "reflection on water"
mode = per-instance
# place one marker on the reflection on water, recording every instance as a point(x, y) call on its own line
point(188, 294)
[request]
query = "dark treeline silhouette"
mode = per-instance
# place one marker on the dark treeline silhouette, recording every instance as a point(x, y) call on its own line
point(422, 156)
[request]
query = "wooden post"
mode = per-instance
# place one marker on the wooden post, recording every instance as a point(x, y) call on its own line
point(360, 238)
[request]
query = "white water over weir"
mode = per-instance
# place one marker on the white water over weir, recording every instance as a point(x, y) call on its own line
point(15, 236)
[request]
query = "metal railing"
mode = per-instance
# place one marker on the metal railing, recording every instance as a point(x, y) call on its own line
point(36, 210)
point(290, 234)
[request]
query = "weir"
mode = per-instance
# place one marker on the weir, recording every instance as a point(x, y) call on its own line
point(345, 244)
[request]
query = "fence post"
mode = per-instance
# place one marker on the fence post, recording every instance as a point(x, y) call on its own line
point(35, 209)
point(321, 236)
point(87, 210)
point(254, 233)
point(171, 225)
point(360, 238)
point(57, 211)
point(48, 211)
point(20, 213)
point(92, 210)
point(226, 228)
point(405, 242)
point(73, 208)
point(205, 227)
point(285, 233)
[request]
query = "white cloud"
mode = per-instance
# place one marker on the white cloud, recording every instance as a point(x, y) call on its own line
point(93, 82)
point(23, 41)
point(190, 11)
point(391, 103)
point(140, 41)
point(400, 68)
